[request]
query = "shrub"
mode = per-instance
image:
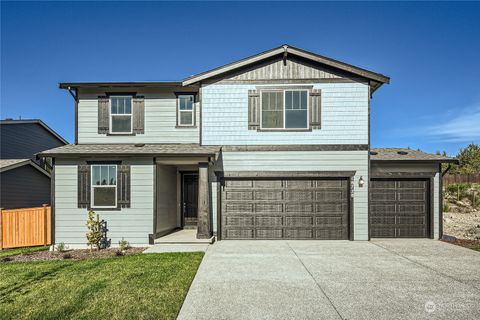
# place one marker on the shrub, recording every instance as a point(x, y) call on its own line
point(94, 234)
point(67, 256)
point(62, 247)
point(123, 245)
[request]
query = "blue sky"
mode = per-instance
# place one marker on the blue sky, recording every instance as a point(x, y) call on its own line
point(430, 50)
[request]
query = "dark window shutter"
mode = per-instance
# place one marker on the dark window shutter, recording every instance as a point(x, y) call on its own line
point(315, 108)
point(253, 110)
point(139, 115)
point(123, 186)
point(84, 186)
point(103, 115)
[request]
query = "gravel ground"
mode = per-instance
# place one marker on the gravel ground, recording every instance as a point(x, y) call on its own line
point(462, 225)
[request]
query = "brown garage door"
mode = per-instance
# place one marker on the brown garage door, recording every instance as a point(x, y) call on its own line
point(285, 209)
point(399, 208)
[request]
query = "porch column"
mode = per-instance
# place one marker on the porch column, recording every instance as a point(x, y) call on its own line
point(203, 210)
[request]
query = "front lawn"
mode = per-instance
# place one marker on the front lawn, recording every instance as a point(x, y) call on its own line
point(142, 286)
point(13, 252)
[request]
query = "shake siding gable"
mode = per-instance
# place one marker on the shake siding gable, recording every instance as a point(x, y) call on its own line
point(344, 116)
point(134, 224)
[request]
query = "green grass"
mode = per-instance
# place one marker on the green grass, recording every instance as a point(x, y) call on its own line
point(17, 251)
point(143, 286)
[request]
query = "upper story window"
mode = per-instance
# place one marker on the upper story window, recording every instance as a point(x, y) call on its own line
point(121, 114)
point(104, 186)
point(186, 110)
point(284, 109)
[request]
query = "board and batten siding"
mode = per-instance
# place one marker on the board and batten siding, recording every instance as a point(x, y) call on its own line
point(306, 161)
point(344, 116)
point(160, 122)
point(134, 224)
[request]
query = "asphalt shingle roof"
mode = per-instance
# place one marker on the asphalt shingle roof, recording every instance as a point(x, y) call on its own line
point(131, 149)
point(401, 154)
point(5, 163)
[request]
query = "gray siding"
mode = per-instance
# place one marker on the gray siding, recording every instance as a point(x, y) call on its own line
point(307, 161)
point(22, 141)
point(166, 198)
point(134, 223)
point(24, 187)
point(344, 116)
point(160, 120)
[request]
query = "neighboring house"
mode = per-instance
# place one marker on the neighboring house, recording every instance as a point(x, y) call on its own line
point(24, 179)
point(274, 146)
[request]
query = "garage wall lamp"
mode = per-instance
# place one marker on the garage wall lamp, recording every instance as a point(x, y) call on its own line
point(361, 182)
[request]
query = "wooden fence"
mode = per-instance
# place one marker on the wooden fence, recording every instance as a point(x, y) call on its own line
point(461, 178)
point(26, 227)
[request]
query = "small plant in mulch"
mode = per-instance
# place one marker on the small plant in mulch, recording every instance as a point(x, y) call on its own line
point(67, 256)
point(94, 234)
point(123, 246)
point(61, 247)
point(6, 259)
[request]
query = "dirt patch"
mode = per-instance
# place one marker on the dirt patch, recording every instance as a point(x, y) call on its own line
point(470, 244)
point(71, 255)
point(462, 225)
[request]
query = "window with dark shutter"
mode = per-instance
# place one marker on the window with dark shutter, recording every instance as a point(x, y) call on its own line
point(103, 115)
point(123, 186)
point(315, 108)
point(253, 110)
point(83, 186)
point(139, 115)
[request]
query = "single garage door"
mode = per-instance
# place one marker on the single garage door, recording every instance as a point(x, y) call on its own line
point(254, 208)
point(399, 208)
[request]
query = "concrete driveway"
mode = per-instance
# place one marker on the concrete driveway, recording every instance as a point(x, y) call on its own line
point(380, 279)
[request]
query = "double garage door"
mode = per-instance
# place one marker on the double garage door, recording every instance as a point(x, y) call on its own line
point(399, 208)
point(311, 208)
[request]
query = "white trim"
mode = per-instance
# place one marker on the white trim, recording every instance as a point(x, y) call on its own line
point(121, 115)
point(284, 90)
point(179, 112)
point(92, 186)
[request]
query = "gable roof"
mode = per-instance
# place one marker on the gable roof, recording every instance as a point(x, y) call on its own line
point(404, 154)
point(9, 164)
point(34, 121)
point(285, 50)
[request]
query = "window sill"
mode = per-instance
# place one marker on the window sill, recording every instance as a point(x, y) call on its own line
point(285, 130)
point(185, 127)
point(106, 209)
point(121, 134)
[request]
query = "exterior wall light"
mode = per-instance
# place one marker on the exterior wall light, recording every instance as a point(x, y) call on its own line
point(361, 182)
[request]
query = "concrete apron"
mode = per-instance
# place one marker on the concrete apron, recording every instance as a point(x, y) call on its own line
point(387, 279)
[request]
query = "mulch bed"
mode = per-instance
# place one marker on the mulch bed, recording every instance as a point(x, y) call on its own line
point(80, 254)
point(470, 244)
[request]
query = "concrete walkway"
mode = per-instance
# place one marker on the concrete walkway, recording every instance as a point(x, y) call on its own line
point(381, 279)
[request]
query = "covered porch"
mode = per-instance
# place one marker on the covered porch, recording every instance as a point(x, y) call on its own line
point(182, 211)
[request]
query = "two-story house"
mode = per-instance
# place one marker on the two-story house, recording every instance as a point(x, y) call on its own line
point(274, 146)
point(24, 179)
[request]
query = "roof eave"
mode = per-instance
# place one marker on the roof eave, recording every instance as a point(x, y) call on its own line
point(454, 161)
point(79, 85)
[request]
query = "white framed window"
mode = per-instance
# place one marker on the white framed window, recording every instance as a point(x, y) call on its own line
point(284, 109)
point(104, 185)
point(120, 114)
point(186, 110)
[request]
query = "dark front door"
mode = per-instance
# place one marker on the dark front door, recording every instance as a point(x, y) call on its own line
point(190, 198)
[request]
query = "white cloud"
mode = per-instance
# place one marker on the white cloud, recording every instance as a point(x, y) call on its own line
point(462, 127)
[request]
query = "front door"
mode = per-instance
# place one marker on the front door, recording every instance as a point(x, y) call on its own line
point(189, 198)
